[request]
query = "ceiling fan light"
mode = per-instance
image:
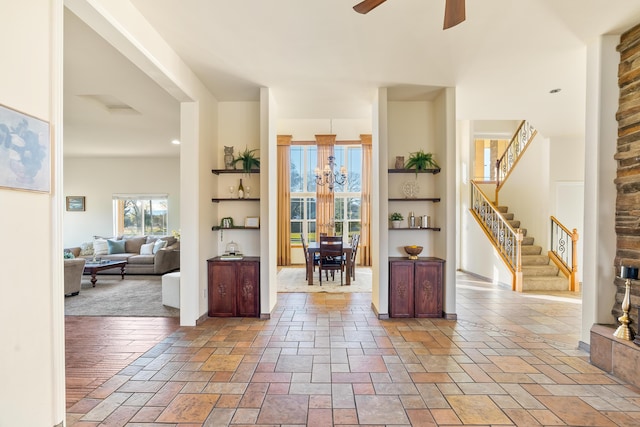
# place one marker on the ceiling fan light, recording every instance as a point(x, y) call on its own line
point(454, 13)
point(367, 6)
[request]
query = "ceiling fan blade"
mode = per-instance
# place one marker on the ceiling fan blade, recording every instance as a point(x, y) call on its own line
point(453, 13)
point(367, 6)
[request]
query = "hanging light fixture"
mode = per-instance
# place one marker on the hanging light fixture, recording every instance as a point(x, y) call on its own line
point(329, 176)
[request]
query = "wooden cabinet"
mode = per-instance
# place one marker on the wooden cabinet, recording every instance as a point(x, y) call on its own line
point(415, 287)
point(234, 287)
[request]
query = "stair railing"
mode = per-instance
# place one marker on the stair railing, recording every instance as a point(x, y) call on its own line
point(517, 146)
point(506, 239)
point(564, 251)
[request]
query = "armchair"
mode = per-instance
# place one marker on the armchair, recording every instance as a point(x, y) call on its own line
point(73, 270)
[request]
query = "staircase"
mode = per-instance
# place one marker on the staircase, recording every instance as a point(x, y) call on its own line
point(538, 271)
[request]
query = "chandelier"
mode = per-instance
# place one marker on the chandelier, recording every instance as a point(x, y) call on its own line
point(329, 176)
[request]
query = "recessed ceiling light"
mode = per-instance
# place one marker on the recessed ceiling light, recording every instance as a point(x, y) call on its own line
point(555, 90)
point(175, 142)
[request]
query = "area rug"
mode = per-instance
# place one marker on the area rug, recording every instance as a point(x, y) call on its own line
point(291, 279)
point(134, 296)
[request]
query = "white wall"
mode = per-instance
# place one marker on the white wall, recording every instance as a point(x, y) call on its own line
point(239, 127)
point(411, 128)
point(98, 179)
point(598, 290)
point(32, 392)
point(526, 191)
point(307, 129)
point(478, 255)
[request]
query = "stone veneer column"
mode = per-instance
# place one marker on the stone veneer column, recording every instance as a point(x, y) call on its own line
point(628, 173)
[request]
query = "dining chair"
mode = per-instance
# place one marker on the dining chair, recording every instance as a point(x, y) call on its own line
point(330, 259)
point(355, 242)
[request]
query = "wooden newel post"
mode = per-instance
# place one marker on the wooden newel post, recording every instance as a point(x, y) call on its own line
point(519, 237)
point(574, 260)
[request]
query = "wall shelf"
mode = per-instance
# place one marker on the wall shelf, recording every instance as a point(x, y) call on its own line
point(433, 171)
point(222, 171)
point(415, 228)
point(235, 227)
point(419, 199)
point(218, 200)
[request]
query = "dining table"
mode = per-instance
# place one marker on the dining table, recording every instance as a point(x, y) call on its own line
point(314, 247)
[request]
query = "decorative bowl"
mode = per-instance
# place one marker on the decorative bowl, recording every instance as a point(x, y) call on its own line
point(413, 251)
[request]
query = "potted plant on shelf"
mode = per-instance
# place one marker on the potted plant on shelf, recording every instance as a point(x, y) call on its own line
point(396, 219)
point(421, 161)
point(248, 159)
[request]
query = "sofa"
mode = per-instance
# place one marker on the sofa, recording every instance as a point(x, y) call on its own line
point(73, 269)
point(144, 254)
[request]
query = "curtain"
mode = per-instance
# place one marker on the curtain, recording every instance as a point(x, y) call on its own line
point(324, 197)
point(284, 200)
point(365, 232)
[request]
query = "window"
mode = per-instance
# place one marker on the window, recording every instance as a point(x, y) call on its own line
point(303, 192)
point(347, 198)
point(140, 214)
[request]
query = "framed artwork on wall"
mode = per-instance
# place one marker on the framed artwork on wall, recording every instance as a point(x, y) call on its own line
point(25, 151)
point(75, 203)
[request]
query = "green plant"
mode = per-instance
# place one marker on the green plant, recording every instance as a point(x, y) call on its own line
point(248, 159)
point(396, 216)
point(421, 161)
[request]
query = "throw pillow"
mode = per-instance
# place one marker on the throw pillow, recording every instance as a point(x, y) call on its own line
point(159, 244)
point(115, 246)
point(100, 247)
point(170, 240)
point(86, 248)
point(147, 249)
point(133, 244)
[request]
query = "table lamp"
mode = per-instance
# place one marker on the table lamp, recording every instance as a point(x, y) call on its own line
point(624, 331)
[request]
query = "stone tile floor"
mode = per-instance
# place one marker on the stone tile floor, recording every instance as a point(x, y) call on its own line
point(325, 359)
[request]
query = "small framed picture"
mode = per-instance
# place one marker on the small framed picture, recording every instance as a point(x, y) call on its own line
point(75, 203)
point(252, 222)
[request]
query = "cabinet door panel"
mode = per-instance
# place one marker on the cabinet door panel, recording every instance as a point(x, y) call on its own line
point(248, 289)
point(428, 289)
point(222, 289)
point(401, 292)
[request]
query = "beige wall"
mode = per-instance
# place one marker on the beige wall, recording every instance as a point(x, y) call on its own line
point(29, 359)
point(98, 179)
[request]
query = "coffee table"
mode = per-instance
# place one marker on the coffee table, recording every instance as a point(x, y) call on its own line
point(92, 268)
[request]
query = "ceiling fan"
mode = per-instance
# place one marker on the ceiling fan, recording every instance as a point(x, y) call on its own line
point(453, 10)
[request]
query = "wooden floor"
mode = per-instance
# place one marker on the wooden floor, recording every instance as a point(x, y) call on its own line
point(326, 360)
point(97, 348)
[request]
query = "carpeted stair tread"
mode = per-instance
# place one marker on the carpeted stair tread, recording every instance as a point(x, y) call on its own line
point(530, 249)
point(502, 209)
point(528, 240)
point(535, 260)
point(514, 223)
point(544, 283)
point(508, 216)
point(540, 270)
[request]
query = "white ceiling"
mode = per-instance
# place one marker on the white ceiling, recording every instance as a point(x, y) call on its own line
point(323, 60)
